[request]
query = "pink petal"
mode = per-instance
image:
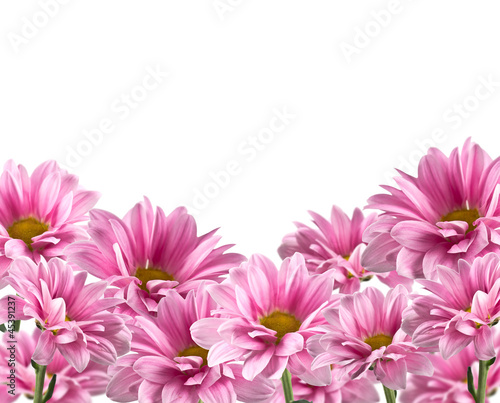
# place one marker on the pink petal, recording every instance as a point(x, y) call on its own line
point(392, 373)
point(483, 344)
point(222, 352)
point(45, 349)
point(452, 343)
point(256, 362)
point(220, 392)
point(416, 235)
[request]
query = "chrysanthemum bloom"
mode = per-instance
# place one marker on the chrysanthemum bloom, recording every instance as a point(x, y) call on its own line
point(463, 306)
point(361, 390)
point(146, 253)
point(266, 317)
point(449, 212)
point(168, 366)
point(365, 332)
point(70, 386)
point(449, 382)
point(337, 244)
point(73, 315)
point(39, 213)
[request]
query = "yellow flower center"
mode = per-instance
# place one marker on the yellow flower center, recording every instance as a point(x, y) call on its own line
point(377, 341)
point(26, 229)
point(281, 322)
point(478, 325)
point(146, 275)
point(195, 351)
point(469, 216)
point(365, 278)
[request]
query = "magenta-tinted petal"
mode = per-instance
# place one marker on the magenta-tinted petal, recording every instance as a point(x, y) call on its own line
point(452, 343)
point(45, 349)
point(258, 390)
point(392, 373)
point(419, 364)
point(204, 332)
point(220, 392)
point(291, 343)
point(483, 344)
point(256, 362)
point(417, 235)
point(222, 352)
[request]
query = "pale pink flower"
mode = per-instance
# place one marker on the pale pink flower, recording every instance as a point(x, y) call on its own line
point(448, 384)
point(71, 386)
point(147, 253)
point(337, 244)
point(39, 213)
point(361, 390)
point(167, 366)
point(73, 315)
point(462, 307)
point(266, 317)
point(365, 332)
point(449, 212)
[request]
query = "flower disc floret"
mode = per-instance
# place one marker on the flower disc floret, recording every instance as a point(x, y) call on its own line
point(280, 322)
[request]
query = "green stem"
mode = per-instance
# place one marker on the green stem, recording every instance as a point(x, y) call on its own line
point(481, 386)
point(286, 381)
point(390, 395)
point(40, 380)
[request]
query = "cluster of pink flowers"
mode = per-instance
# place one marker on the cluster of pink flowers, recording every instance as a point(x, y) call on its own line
point(174, 317)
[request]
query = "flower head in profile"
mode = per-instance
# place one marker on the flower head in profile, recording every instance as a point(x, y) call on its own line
point(461, 308)
point(147, 253)
point(337, 244)
point(71, 386)
point(39, 213)
point(361, 390)
point(266, 317)
point(365, 333)
point(74, 316)
point(166, 365)
point(449, 381)
point(449, 212)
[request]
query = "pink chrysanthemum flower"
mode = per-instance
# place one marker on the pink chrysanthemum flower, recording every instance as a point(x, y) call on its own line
point(266, 317)
point(73, 315)
point(449, 382)
point(361, 390)
point(39, 213)
point(449, 212)
point(365, 332)
point(337, 244)
point(71, 386)
point(146, 253)
point(167, 366)
point(463, 306)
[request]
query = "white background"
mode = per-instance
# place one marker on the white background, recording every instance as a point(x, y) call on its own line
point(362, 104)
